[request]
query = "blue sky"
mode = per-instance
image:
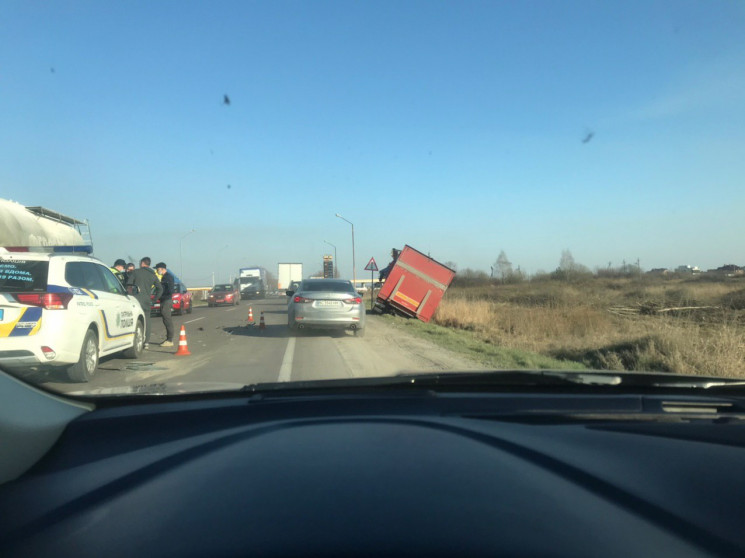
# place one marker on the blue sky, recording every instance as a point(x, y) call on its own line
point(454, 127)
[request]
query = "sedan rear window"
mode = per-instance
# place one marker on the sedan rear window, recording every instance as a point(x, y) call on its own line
point(23, 275)
point(332, 286)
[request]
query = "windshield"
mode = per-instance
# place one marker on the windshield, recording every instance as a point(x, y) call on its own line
point(537, 185)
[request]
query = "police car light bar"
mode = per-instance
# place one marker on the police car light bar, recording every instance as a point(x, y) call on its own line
point(87, 249)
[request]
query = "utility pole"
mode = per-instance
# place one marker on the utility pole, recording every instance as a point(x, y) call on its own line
point(354, 267)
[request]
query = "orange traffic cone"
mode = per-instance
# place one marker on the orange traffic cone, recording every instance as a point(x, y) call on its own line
point(261, 321)
point(250, 315)
point(183, 348)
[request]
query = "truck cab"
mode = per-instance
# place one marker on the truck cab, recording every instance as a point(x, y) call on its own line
point(252, 282)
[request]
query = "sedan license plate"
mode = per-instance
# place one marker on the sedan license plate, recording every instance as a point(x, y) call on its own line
point(328, 303)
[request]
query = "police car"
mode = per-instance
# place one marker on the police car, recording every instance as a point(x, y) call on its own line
point(63, 308)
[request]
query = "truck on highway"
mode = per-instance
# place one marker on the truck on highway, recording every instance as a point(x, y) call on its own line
point(38, 226)
point(252, 282)
point(287, 273)
point(414, 286)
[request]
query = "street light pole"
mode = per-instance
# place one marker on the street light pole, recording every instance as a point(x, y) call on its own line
point(354, 267)
point(333, 271)
point(180, 256)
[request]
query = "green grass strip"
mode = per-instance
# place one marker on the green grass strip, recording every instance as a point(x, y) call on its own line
point(488, 354)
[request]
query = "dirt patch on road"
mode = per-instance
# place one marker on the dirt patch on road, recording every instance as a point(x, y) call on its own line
point(387, 350)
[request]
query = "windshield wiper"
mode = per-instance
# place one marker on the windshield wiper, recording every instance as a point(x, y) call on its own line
point(703, 383)
point(587, 378)
point(430, 383)
point(452, 380)
point(512, 378)
point(508, 379)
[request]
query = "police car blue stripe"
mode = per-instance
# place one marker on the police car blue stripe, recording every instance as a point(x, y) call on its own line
point(26, 322)
point(74, 290)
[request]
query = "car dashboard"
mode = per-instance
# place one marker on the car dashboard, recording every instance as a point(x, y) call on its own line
point(374, 472)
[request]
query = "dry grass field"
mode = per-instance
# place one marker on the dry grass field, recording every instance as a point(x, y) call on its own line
point(684, 326)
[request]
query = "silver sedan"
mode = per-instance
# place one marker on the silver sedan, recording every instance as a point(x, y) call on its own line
point(326, 304)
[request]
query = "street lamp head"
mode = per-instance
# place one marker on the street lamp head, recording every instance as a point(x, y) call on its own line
point(345, 219)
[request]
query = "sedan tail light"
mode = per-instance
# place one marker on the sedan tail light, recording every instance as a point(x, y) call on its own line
point(48, 301)
point(302, 299)
point(356, 300)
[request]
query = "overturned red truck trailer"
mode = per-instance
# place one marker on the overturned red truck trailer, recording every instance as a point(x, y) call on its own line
point(414, 286)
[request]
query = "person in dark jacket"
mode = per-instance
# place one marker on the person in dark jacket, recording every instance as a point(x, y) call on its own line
point(166, 301)
point(143, 284)
point(395, 253)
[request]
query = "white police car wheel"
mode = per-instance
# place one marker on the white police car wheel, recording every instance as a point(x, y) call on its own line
point(83, 370)
point(138, 342)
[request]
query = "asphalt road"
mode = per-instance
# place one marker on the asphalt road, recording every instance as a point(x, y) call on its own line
point(226, 348)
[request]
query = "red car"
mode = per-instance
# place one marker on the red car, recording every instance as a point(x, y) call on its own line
point(223, 294)
point(181, 299)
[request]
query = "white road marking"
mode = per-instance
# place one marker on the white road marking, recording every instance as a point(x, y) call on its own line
point(231, 309)
point(285, 371)
point(194, 320)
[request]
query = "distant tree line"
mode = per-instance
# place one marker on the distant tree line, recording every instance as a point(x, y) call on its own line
point(569, 270)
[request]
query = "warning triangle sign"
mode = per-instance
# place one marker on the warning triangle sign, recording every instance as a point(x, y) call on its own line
point(371, 265)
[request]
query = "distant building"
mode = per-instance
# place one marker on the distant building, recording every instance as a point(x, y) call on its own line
point(687, 269)
point(729, 270)
point(659, 271)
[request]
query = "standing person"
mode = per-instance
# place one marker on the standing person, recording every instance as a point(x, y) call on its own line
point(119, 271)
point(166, 301)
point(130, 269)
point(395, 253)
point(143, 284)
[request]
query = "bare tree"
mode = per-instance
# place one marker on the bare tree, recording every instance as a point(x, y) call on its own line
point(517, 276)
point(569, 269)
point(503, 267)
point(567, 263)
